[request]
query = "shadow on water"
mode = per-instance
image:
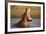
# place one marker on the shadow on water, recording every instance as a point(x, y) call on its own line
point(16, 25)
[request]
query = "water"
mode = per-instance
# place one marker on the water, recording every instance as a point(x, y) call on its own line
point(34, 23)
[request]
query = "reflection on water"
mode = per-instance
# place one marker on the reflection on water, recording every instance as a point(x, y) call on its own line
point(15, 23)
